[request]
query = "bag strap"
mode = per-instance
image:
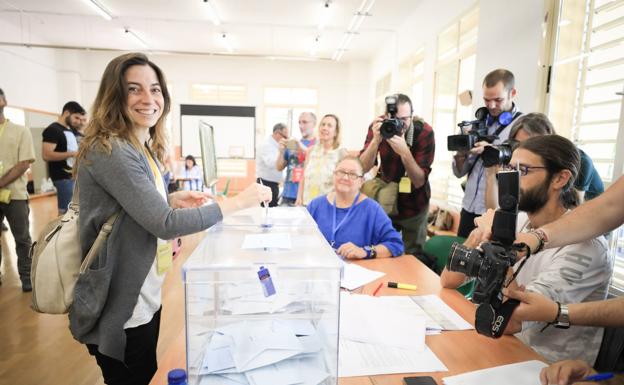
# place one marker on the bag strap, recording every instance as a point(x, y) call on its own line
point(101, 238)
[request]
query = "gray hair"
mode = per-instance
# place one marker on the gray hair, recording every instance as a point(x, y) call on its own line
point(279, 127)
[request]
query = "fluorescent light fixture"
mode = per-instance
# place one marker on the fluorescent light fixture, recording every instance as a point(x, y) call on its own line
point(136, 37)
point(225, 42)
point(565, 22)
point(315, 45)
point(212, 12)
point(100, 9)
point(354, 25)
point(325, 13)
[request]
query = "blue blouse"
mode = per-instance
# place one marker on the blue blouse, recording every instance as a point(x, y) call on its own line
point(366, 225)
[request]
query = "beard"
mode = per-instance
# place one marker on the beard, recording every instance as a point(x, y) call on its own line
point(532, 200)
point(68, 123)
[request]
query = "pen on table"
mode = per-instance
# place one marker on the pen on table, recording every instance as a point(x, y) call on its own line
point(598, 377)
point(405, 286)
point(377, 289)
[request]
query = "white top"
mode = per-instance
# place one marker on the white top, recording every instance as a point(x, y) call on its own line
point(571, 274)
point(266, 159)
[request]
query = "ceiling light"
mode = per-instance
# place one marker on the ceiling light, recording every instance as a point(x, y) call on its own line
point(136, 37)
point(212, 12)
point(324, 15)
point(100, 9)
point(315, 45)
point(565, 22)
point(354, 25)
point(225, 42)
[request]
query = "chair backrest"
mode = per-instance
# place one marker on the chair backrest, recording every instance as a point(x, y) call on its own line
point(611, 354)
point(226, 188)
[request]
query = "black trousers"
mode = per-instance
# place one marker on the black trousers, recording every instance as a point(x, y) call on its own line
point(274, 190)
point(140, 356)
point(466, 223)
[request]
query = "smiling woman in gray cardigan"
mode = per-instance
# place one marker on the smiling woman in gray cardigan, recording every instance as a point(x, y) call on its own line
point(116, 309)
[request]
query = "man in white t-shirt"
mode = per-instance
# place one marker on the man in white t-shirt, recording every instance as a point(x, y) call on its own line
point(266, 171)
point(576, 273)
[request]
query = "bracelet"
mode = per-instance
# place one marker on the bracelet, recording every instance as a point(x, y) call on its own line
point(553, 322)
point(541, 238)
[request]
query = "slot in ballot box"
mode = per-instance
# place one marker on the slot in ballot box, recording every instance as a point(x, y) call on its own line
point(262, 306)
point(277, 216)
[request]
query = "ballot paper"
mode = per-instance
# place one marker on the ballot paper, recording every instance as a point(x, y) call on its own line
point(522, 373)
point(362, 359)
point(361, 317)
point(267, 241)
point(355, 276)
point(441, 313)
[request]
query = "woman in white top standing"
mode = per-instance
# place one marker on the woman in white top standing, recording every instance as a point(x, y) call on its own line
point(192, 174)
point(321, 160)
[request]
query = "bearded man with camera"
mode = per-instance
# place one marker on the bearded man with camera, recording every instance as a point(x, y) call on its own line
point(496, 119)
point(406, 147)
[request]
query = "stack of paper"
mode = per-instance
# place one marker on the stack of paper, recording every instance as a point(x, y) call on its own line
point(380, 335)
point(354, 276)
point(440, 313)
point(523, 373)
point(280, 352)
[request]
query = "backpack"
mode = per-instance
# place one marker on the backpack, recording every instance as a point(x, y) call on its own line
point(57, 260)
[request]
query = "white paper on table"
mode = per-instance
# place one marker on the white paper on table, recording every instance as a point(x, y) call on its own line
point(522, 373)
point(441, 313)
point(371, 319)
point(355, 276)
point(268, 241)
point(362, 359)
point(408, 306)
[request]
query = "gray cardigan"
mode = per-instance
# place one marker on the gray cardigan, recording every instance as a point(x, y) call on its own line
point(106, 294)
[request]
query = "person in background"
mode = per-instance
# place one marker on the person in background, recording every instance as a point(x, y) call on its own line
point(266, 172)
point(59, 148)
point(321, 159)
point(406, 159)
point(499, 92)
point(353, 224)
point(576, 273)
point(292, 157)
point(117, 301)
point(16, 155)
point(193, 173)
point(587, 184)
point(79, 130)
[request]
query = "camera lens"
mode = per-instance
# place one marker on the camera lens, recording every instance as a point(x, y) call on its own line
point(464, 260)
point(390, 128)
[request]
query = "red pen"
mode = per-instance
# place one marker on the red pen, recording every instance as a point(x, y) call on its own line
point(377, 289)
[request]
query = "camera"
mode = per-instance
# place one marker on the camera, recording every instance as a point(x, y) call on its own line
point(477, 133)
point(391, 126)
point(498, 154)
point(489, 264)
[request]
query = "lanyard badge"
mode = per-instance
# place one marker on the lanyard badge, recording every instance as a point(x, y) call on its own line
point(266, 281)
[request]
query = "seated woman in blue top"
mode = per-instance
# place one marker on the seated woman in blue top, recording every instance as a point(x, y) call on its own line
point(354, 225)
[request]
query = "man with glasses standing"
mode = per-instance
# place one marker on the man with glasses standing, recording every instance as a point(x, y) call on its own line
point(266, 172)
point(406, 159)
point(498, 94)
point(578, 272)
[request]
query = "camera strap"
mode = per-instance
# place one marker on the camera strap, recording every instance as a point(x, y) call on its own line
point(492, 322)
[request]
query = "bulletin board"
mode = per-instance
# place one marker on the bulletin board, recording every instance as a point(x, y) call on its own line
point(234, 130)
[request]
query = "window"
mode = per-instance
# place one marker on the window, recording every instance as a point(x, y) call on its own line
point(411, 72)
point(284, 105)
point(587, 74)
point(454, 74)
point(382, 89)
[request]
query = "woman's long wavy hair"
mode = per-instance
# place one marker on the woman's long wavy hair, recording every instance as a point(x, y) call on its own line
point(110, 118)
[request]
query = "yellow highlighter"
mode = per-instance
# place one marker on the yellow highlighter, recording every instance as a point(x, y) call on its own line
point(405, 286)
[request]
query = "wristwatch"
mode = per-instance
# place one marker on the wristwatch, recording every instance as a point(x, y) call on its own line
point(370, 251)
point(563, 318)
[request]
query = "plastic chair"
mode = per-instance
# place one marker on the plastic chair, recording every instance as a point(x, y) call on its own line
point(225, 188)
point(440, 247)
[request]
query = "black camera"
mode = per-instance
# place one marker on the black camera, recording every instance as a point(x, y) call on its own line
point(391, 126)
point(489, 265)
point(477, 133)
point(498, 154)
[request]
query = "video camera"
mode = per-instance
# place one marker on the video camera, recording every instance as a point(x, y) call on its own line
point(477, 133)
point(498, 154)
point(489, 265)
point(391, 126)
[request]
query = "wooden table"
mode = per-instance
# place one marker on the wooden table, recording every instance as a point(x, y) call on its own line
point(460, 351)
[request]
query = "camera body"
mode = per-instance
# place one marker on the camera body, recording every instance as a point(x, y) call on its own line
point(489, 265)
point(477, 133)
point(499, 154)
point(391, 126)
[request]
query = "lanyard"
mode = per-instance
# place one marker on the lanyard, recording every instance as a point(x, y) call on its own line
point(334, 227)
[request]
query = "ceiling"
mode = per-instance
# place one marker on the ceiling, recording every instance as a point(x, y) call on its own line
point(263, 28)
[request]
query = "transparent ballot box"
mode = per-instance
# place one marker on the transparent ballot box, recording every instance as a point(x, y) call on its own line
point(262, 306)
point(273, 216)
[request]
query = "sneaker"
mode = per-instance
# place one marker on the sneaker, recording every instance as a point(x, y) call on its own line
point(26, 287)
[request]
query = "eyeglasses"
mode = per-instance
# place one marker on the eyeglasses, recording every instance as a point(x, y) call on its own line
point(524, 170)
point(341, 174)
